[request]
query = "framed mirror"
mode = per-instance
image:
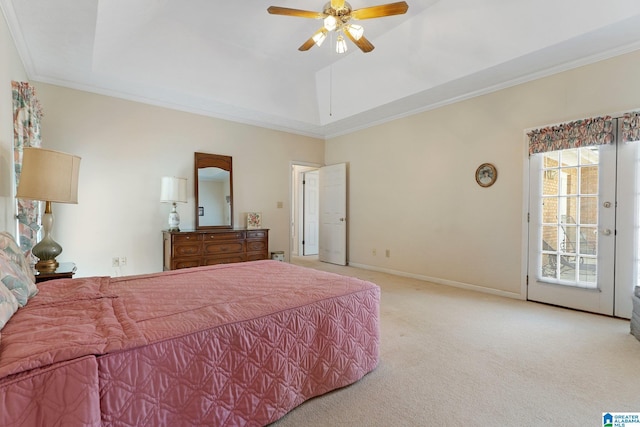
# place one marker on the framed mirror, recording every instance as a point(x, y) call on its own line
point(213, 191)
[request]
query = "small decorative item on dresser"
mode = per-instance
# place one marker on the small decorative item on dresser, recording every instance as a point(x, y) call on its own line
point(254, 220)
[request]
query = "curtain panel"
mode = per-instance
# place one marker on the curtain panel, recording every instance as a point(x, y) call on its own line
point(631, 127)
point(580, 133)
point(27, 113)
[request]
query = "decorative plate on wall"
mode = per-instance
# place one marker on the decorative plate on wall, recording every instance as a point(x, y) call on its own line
point(486, 175)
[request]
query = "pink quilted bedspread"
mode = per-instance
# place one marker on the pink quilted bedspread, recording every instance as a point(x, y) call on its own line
point(237, 344)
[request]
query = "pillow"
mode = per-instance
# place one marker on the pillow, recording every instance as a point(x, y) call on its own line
point(15, 272)
point(8, 305)
point(10, 248)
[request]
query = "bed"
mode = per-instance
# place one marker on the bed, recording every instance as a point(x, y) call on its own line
point(232, 344)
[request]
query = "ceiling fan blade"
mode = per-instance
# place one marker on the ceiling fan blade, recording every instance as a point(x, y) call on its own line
point(307, 45)
point(276, 10)
point(379, 11)
point(364, 44)
point(312, 40)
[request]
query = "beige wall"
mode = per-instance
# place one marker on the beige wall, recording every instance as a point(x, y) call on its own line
point(126, 148)
point(10, 69)
point(412, 186)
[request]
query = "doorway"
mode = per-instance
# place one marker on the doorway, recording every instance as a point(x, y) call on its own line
point(310, 212)
point(583, 227)
point(318, 212)
point(298, 172)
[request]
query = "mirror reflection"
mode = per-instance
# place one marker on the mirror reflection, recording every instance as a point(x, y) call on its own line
point(214, 196)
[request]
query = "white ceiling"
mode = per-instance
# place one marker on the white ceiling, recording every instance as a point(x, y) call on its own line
point(231, 59)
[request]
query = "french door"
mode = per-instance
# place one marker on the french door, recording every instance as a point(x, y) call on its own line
point(583, 228)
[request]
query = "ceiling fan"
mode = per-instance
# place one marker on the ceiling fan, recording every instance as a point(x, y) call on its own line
point(337, 16)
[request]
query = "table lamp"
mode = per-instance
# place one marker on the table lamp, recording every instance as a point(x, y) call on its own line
point(48, 176)
point(173, 190)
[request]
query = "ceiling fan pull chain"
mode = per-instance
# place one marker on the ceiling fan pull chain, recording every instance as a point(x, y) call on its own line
point(331, 90)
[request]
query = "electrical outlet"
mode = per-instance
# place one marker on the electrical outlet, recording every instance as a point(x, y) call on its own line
point(123, 261)
point(115, 262)
point(387, 253)
point(373, 252)
point(280, 205)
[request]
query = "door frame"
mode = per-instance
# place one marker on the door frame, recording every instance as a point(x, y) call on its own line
point(307, 222)
point(619, 225)
point(294, 199)
point(524, 250)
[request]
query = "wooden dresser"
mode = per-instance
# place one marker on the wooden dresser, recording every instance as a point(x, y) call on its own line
point(183, 249)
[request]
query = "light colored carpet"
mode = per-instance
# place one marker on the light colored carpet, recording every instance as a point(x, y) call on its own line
point(451, 357)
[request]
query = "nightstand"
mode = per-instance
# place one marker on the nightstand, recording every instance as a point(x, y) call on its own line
point(65, 270)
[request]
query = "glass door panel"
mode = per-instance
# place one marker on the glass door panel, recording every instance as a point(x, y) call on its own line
point(567, 190)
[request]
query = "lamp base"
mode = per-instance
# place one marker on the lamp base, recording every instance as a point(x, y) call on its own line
point(47, 249)
point(47, 266)
point(174, 219)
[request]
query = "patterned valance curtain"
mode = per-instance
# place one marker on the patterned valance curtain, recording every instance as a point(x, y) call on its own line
point(631, 127)
point(581, 133)
point(26, 133)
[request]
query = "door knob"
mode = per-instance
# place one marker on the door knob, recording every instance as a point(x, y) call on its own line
point(606, 232)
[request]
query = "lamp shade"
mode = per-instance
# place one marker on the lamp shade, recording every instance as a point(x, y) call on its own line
point(49, 175)
point(173, 189)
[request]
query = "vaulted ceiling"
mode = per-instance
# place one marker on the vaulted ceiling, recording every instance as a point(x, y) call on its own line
point(233, 60)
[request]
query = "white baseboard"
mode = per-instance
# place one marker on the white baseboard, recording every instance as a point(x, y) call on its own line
point(438, 281)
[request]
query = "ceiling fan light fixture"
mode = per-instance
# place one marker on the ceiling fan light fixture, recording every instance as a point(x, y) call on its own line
point(336, 16)
point(356, 31)
point(319, 38)
point(330, 23)
point(341, 44)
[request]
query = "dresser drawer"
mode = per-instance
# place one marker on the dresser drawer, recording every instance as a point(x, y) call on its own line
point(256, 234)
point(226, 235)
point(186, 249)
point(225, 259)
point(218, 248)
point(256, 245)
point(256, 256)
point(185, 263)
point(181, 238)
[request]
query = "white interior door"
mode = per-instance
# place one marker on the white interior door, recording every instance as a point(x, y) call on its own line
point(572, 228)
point(311, 215)
point(333, 214)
